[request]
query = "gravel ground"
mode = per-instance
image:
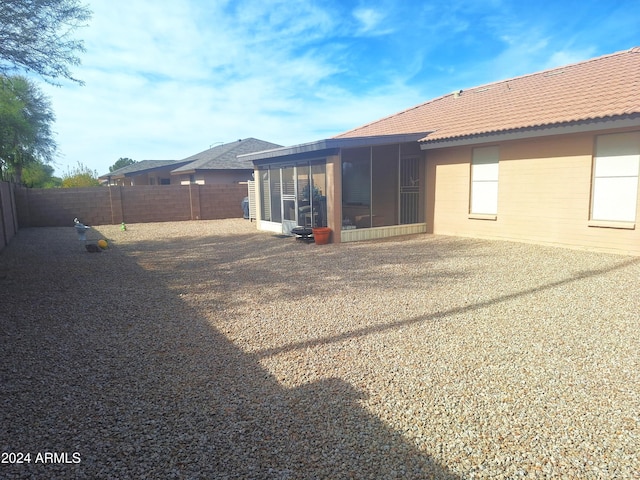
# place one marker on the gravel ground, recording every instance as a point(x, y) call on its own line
point(210, 350)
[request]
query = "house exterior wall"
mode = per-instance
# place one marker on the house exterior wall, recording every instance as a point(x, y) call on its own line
point(119, 182)
point(544, 195)
point(147, 178)
point(162, 177)
point(216, 177)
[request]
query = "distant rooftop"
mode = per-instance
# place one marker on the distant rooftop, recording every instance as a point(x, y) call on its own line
point(143, 165)
point(225, 156)
point(220, 157)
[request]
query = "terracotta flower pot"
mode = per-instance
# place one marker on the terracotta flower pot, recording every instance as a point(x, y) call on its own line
point(321, 235)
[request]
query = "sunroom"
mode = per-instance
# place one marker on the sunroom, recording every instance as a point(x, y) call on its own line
point(361, 188)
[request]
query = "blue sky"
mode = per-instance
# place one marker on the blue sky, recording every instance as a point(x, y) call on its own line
point(165, 80)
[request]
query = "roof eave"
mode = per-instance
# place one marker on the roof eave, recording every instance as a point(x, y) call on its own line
point(328, 146)
point(563, 128)
point(191, 171)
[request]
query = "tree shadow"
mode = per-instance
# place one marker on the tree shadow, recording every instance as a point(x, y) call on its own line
point(294, 269)
point(290, 269)
point(455, 311)
point(101, 356)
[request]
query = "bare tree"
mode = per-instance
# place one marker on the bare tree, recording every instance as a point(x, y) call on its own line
point(36, 35)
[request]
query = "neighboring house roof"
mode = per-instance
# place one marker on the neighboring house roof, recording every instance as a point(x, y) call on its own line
point(140, 167)
point(600, 89)
point(224, 157)
point(220, 157)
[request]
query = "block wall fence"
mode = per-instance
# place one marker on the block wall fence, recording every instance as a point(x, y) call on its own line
point(8, 213)
point(138, 204)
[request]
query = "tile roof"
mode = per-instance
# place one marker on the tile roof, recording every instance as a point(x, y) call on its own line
point(225, 157)
point(606, 87)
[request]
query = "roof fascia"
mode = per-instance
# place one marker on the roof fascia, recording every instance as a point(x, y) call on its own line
point(191, 171)
point(153, 169)
point(327, 146)
point(295, 157)
point(583, 127)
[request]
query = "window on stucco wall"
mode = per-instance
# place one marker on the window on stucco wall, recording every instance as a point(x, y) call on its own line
point(484, 181)
point(615, 177)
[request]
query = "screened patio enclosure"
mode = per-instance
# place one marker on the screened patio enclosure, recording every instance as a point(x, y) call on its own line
point(361, 188)
point(381, 186)
point(294, 195)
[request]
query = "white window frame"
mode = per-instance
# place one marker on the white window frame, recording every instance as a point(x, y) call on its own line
point(616, 168)
point(483, 199)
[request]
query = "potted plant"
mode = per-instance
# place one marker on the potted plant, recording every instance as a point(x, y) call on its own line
point(321, 235)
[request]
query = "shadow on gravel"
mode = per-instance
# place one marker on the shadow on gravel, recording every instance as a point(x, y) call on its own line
point(354, 334)
point(292, 269)
point(99, 356)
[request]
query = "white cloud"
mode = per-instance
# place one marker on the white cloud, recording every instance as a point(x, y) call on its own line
point(570, 55)
point(165, 80)
point(369, 19)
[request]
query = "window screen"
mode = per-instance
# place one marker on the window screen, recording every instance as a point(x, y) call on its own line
point(484, 181)
point(615, 177)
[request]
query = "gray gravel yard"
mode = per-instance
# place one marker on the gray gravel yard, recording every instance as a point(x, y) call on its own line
point(208, 350)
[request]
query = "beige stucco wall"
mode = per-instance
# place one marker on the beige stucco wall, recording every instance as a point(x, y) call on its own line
point(544, 195)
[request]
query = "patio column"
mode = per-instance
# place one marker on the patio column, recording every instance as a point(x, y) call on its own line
point(334, 197)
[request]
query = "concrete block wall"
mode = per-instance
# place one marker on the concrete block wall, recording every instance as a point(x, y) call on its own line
point(8, 214)
point(131, 204)
point(58, 207)
point(219, 201)
point(155, 203)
